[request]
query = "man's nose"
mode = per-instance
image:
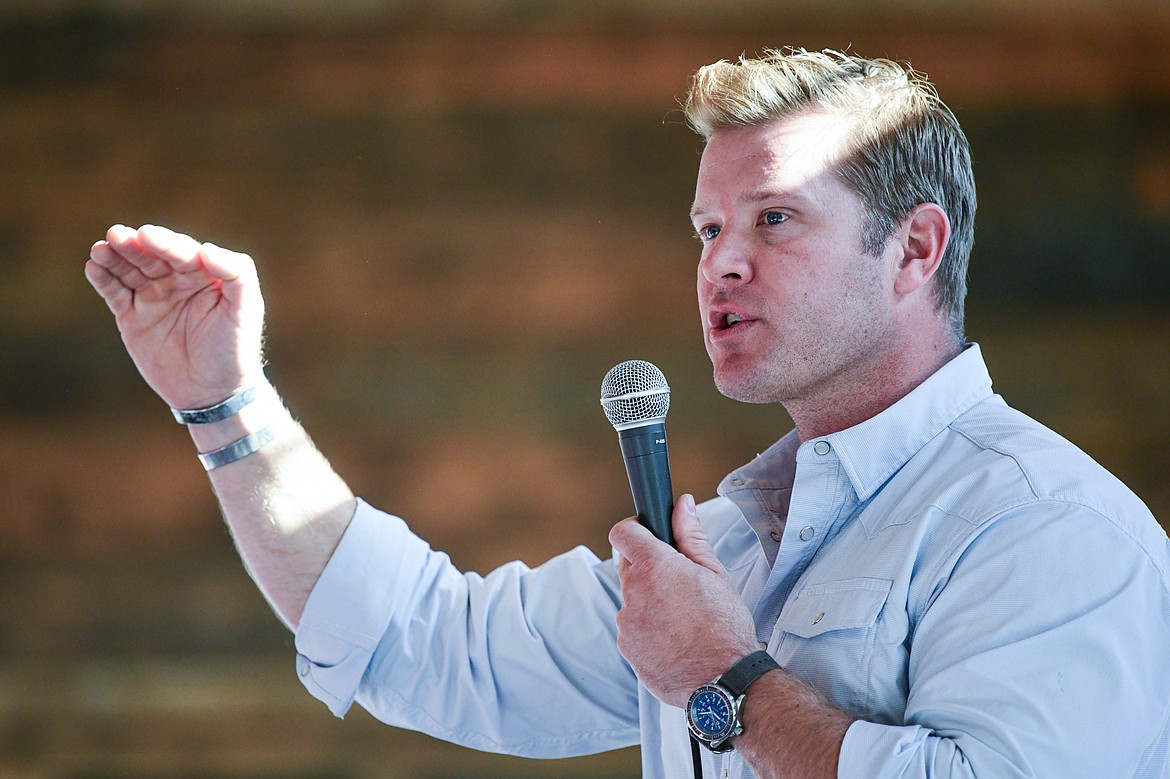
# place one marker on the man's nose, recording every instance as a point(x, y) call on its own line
point(726, 258)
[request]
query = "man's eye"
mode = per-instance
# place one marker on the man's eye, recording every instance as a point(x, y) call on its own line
point(775, 218)
point(707, 232)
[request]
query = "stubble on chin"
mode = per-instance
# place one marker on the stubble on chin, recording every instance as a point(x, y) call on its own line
point(747, 384)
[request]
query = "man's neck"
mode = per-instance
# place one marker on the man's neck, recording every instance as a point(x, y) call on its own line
point(850, 402)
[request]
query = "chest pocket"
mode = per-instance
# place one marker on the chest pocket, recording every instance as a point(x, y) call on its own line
point(826, 634)
point(840, 605)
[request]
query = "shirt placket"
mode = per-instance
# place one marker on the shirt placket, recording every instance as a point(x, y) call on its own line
point(820, 494)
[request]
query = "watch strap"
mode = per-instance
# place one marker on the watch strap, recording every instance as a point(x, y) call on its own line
point(741, 675)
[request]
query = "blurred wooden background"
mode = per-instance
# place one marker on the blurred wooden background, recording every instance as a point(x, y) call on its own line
point(463, 214)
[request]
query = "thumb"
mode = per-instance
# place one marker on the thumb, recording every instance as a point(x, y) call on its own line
point(689, 537)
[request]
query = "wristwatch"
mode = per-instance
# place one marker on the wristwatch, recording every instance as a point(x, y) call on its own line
point(713, 711)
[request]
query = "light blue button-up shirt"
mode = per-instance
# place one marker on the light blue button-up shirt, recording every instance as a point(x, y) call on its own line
point(983, 597)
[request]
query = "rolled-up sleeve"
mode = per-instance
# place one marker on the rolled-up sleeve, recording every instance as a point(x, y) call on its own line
point(522, 661)
point(353, 601)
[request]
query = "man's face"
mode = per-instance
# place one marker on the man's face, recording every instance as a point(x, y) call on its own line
point(793, 308)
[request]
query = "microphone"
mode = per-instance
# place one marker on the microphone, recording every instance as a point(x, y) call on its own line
point(635, 398)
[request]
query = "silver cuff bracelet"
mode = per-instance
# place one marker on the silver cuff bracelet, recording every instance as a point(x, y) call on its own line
point(229, 407)
point(238, 450)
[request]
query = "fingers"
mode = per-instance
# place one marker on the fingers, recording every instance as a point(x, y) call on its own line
point(185, 254)
point(121, 264)
point(682, 619)
point(128, 260)
point(689, 537)
point(236, 273)
point(191, 314)
point(635, 543)
point(637, 546)
point(151, 252)
point(114, 291)
point(163, 246)
point(112, 268)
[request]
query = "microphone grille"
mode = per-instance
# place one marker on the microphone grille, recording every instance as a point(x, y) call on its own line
point(633, 393)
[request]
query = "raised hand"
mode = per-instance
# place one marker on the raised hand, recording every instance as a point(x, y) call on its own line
point(191, 314)
point(192, 317)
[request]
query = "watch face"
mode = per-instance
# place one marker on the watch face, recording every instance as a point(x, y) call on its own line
point(710, 713)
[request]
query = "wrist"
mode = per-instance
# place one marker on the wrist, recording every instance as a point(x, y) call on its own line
point(715, 710)
point(790, 727)
point(218, 411)
point(264, 410)
point(213, 405)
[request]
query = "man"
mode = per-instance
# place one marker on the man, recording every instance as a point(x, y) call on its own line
point(940, 586)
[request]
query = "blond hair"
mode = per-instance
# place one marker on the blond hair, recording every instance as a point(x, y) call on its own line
point(905, 146)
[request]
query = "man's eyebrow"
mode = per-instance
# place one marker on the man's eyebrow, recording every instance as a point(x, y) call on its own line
point(756, 196)
point(761, 195)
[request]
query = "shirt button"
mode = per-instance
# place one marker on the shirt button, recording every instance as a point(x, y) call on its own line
point(806, 533)
point(737, 482)
point(822, 448)
point(776, 535)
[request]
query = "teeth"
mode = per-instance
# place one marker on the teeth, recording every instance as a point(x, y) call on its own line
point(731, 319)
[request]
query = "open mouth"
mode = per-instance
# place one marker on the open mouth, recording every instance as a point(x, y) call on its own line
point(725, 320)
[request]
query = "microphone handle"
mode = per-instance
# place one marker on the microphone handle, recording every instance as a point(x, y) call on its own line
point(648, 468)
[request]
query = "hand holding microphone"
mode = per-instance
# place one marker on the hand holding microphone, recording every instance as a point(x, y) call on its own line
point(635, 398)
point(682, 620)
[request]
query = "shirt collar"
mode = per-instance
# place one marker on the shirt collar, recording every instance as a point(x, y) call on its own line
point(872, 451)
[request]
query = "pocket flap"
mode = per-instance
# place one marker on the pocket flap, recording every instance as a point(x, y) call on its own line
point(839, 605)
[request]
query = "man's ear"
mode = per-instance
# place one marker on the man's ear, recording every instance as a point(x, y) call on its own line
point(922, 239)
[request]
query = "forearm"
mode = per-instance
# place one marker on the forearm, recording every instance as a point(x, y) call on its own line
point(191, 316)
point(790, 730)
point(284, 504)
